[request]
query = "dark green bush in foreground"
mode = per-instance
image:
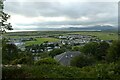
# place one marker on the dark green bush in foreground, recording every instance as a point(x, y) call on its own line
point(110, 71)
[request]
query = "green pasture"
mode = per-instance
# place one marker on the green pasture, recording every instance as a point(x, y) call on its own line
point(41, 40)
point(101, 35)
point(17, 37)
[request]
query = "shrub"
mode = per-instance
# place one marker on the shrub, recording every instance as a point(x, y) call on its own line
point(90, 48)
point(114, 52)
point(24, 60)
point(50, 61)
point(99, 71)
point(76, 48)
point(82, 60)
point(96, 49)
point(55, 52)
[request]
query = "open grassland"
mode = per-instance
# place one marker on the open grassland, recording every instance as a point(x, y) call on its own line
point(101, 35)
point(18, 37)
point(41, 40)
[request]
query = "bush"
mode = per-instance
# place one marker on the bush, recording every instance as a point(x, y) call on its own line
point(24, 60)
point(76, 48)
point(50, 61)
point(90, 48)
point(114, 52)
point(55, 52)
point(9, 53)
point(82, 60)
point(12, 73)
point(98, 50)
point(99, 71)
point(109, 71)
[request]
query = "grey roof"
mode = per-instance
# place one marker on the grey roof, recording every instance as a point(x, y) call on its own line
point(66, 57)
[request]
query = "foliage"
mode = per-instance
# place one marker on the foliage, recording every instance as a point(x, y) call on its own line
point(4, 17)
point(99, 71)
point(114, 52)
point(43, 55)
point(9, 52)
point(76, 48)
point(25, 60)
point(102, 50)
point(66, 47)
point(13, 72)
point(82, 60)
point(96, 49)
point(55, 52)
point(49, 61)
point(90, 48)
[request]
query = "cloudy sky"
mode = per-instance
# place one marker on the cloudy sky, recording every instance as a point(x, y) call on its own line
point(30, 15)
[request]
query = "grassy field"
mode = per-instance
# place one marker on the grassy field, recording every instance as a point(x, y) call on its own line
point(41, 40)
point(101, 35)
point(21, 36)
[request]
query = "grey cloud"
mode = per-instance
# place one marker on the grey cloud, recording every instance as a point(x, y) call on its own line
point(72, 22)
point(72, 10)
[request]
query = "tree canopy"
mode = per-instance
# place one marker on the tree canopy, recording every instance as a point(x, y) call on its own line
point(96, 49)
point(114, 52)
point(4, 25)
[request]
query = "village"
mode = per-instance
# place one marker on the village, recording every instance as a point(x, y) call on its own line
point(46, 46)
point(70, 39)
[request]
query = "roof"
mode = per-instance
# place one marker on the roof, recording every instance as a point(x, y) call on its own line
point(66, 57)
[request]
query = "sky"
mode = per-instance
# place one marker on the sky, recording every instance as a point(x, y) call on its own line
point(31, 15)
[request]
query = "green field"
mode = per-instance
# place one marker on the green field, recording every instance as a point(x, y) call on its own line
point(41, 40)
point(101, 35)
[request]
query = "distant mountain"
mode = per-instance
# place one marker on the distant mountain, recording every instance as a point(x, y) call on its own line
point(90, 28)
point(93, 28)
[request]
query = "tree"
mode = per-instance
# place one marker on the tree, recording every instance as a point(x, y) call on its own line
point(90, 48)
point(9, 52)
point(4, 25)
point(98, 50)
point(23, 60)
point(102, 50)
point(55, 52)
point(49, 61)
point(114, 52)
point(81, 61)
point(76, 48)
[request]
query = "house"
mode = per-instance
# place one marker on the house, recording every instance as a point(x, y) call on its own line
point(65, 58)
point(62, 37)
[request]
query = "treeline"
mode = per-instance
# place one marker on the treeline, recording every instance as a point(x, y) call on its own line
point(94, 53)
